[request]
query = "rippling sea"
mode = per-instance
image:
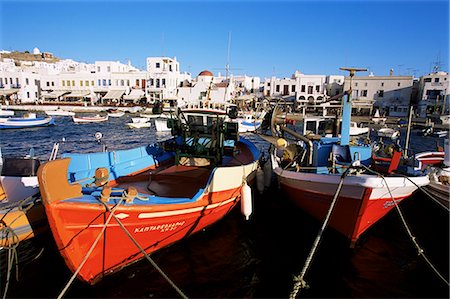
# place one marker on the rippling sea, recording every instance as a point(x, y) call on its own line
point(235, 258)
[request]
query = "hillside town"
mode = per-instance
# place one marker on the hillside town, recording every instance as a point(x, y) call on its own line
point(41, 78)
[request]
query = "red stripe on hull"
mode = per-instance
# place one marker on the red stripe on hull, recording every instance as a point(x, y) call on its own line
point(75, 226)
point(351, 216)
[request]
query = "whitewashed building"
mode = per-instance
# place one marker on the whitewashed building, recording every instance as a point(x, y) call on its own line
point(434, 91)
point(390, 94)
point(304, 89)
point(164, 77)
point(206, 89)
point(18, 85)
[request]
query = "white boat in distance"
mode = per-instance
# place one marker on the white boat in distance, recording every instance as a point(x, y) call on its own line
point(389, 133)
point(27, 121)
point(139, 125)
point(90, 119)
point(60, 112)
point(377, 118)
point(116, 113)
point(139, 122)
point(6, 112)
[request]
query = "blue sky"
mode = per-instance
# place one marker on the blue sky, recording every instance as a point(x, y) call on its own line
point(268, 38)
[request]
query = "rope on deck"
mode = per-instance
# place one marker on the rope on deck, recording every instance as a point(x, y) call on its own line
point(12, 257)
point(11, 239)
point(164, 275)
point(300, 283)
point(420, 251)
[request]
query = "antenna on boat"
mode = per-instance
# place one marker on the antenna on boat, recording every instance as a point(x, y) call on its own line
point(347, 106)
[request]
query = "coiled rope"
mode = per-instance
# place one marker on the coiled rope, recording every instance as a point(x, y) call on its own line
point(11, 256)
point(300, 283)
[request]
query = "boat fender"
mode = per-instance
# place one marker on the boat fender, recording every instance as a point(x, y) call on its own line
point(260, 180)
point(106, 193)
point(101, 176)
point(130, 194)
point(267, 173)
point(246, 201)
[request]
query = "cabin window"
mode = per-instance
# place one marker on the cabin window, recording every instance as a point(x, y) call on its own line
point(195, 120)
point(311, 126)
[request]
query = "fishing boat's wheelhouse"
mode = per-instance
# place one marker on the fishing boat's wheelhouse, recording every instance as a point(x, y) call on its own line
point(202, 137)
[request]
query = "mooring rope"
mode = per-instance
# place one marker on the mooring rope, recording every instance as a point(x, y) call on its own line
point(420, 251)
point(163, 274)
point(299, 279)
point(90, 249)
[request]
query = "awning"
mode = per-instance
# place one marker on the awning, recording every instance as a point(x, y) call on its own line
point(113, 95)
point(7, 92)
point(78, 94)
point(134, 95)
point(55, 94)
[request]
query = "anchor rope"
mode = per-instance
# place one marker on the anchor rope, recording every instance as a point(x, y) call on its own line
point(299, 279)
point(420, 251)
point(163, 274)
point(431, 196)
point(90, 249)
point(12, 255)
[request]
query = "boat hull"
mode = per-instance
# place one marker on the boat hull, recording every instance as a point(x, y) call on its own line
point(362, 201)
point(18, 123)
point(151, 229)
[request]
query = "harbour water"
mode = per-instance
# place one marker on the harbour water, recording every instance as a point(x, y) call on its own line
point(235, 258)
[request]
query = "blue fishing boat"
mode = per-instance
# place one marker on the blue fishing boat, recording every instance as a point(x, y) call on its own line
point(28, 121)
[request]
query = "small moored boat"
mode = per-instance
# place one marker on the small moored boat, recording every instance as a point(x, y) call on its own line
point(116, 113)
point(388, 133)
point(89, 119)
point(21, 212)
point(27, 121)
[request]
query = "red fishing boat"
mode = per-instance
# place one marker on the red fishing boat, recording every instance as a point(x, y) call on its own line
point(368, 186)
point(98, 203)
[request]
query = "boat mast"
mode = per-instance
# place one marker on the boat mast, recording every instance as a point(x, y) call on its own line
point(347, 107)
